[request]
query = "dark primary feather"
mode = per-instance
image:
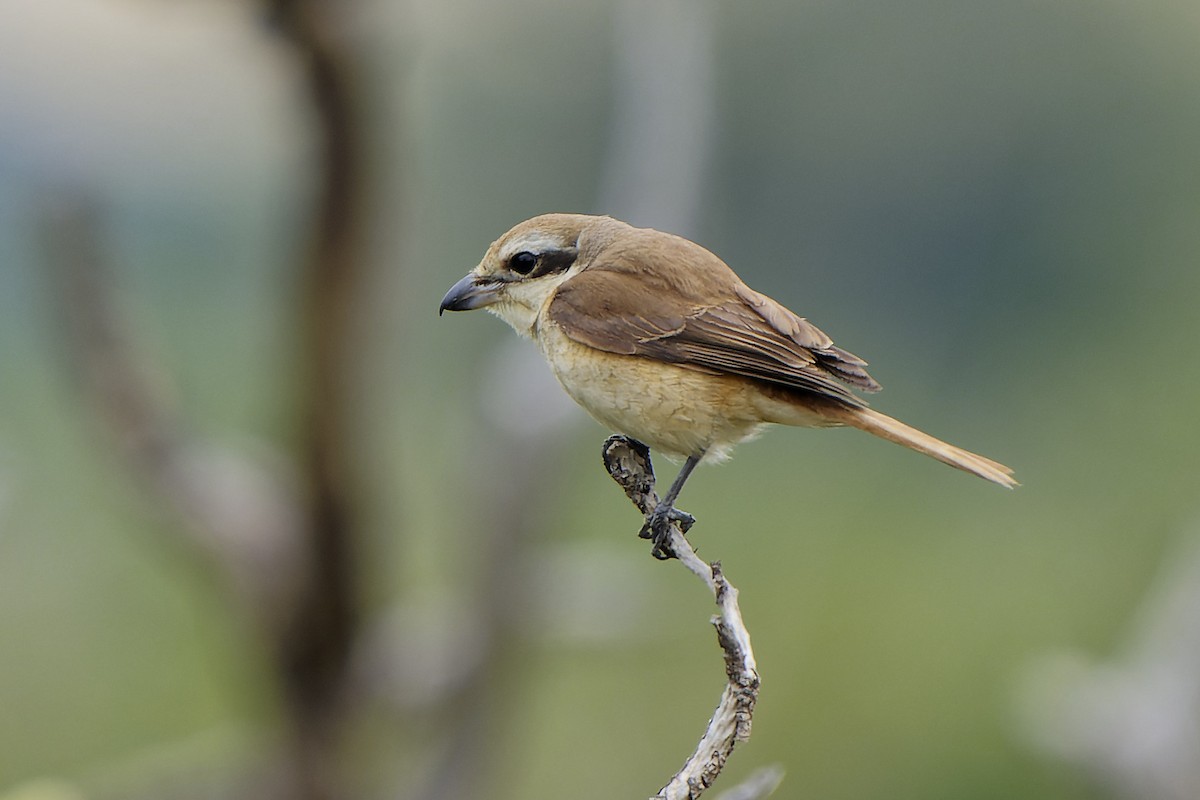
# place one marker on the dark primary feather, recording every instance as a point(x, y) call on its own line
point(709, 320)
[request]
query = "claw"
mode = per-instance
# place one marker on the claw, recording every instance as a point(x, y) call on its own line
point(659, 522)
point(658, 529)
point(628, 462)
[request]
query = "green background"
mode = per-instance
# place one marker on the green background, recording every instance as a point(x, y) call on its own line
point(996, 204)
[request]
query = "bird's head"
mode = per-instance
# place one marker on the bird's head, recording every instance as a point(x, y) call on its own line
point(521, 270)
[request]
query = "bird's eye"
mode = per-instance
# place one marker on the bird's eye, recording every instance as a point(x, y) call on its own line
point(523, 263)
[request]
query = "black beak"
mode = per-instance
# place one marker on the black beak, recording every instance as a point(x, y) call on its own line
point(470, 293)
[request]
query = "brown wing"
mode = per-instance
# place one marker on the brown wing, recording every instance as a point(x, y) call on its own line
point(711, 322)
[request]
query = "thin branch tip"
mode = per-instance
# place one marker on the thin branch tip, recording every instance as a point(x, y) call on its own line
point(628, 462)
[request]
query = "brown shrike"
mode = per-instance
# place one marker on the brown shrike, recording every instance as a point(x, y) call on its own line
point(658, 339)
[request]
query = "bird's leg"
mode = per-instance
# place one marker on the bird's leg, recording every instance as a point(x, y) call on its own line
point(658, 521)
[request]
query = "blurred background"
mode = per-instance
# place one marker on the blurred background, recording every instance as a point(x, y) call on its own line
point(271, 528)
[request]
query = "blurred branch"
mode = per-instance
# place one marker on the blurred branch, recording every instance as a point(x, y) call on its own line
point(477, 673)
point(628, 462)
point(291, 555)
point(235, 512)
point(664, 112)
point(1133, 722)
point(314, 654)
point(499, 553)
point(761, 783)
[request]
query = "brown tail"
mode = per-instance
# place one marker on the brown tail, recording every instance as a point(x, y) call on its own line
point(896, 431)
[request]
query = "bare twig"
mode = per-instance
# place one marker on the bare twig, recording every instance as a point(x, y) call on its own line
point(628, 462)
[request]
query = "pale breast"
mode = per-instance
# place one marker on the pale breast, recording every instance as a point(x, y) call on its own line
point(676, 411)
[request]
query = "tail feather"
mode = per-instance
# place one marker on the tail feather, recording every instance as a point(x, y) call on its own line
point(894, 430)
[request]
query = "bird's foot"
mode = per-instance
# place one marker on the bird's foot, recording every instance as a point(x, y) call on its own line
point(658, 529)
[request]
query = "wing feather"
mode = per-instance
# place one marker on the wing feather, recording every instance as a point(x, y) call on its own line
point(620, 309)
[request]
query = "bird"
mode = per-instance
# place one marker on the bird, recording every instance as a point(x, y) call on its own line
point(658, 339)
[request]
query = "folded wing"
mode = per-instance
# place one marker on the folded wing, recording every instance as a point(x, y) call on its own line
point(713, 323)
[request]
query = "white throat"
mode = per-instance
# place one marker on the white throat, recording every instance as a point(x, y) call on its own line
point(524, 301)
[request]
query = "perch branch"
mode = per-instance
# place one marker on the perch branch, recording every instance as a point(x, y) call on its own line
point(628, 462)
